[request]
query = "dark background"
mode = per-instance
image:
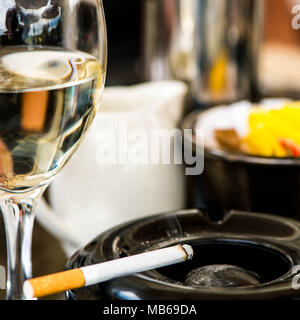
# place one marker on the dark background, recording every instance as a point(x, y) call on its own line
point(124, 32)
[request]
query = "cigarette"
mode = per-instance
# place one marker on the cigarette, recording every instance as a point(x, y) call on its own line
point(90, 275)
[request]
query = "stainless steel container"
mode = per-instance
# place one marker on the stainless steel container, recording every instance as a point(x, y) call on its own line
point(212, 44)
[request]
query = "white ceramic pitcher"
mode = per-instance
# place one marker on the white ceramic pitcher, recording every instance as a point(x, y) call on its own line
point(89, 197)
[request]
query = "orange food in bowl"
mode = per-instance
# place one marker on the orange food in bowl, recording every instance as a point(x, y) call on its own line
point(272, 132)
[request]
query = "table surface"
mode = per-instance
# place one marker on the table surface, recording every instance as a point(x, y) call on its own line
point(47, 255)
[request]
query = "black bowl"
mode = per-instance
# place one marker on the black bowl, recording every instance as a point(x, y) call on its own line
point(264, 244)
point(235, 181)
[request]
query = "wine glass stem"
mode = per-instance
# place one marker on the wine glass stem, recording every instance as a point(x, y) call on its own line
point(18, 213)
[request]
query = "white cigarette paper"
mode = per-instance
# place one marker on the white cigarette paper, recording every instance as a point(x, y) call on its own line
point(135, 264)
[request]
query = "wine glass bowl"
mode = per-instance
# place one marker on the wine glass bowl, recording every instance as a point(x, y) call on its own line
point(52, 72)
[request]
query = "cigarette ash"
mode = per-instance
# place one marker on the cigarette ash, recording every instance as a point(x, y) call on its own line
point(221, 275)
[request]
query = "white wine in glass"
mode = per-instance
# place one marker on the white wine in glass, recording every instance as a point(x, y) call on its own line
point(52, 74)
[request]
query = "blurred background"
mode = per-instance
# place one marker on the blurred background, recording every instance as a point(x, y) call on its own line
point(141, 39)
point(127, 24)
point(124, 27)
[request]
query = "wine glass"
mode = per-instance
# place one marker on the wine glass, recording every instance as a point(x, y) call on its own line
point(52, 73)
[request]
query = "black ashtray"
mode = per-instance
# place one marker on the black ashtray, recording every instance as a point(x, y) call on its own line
point(265, 245)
